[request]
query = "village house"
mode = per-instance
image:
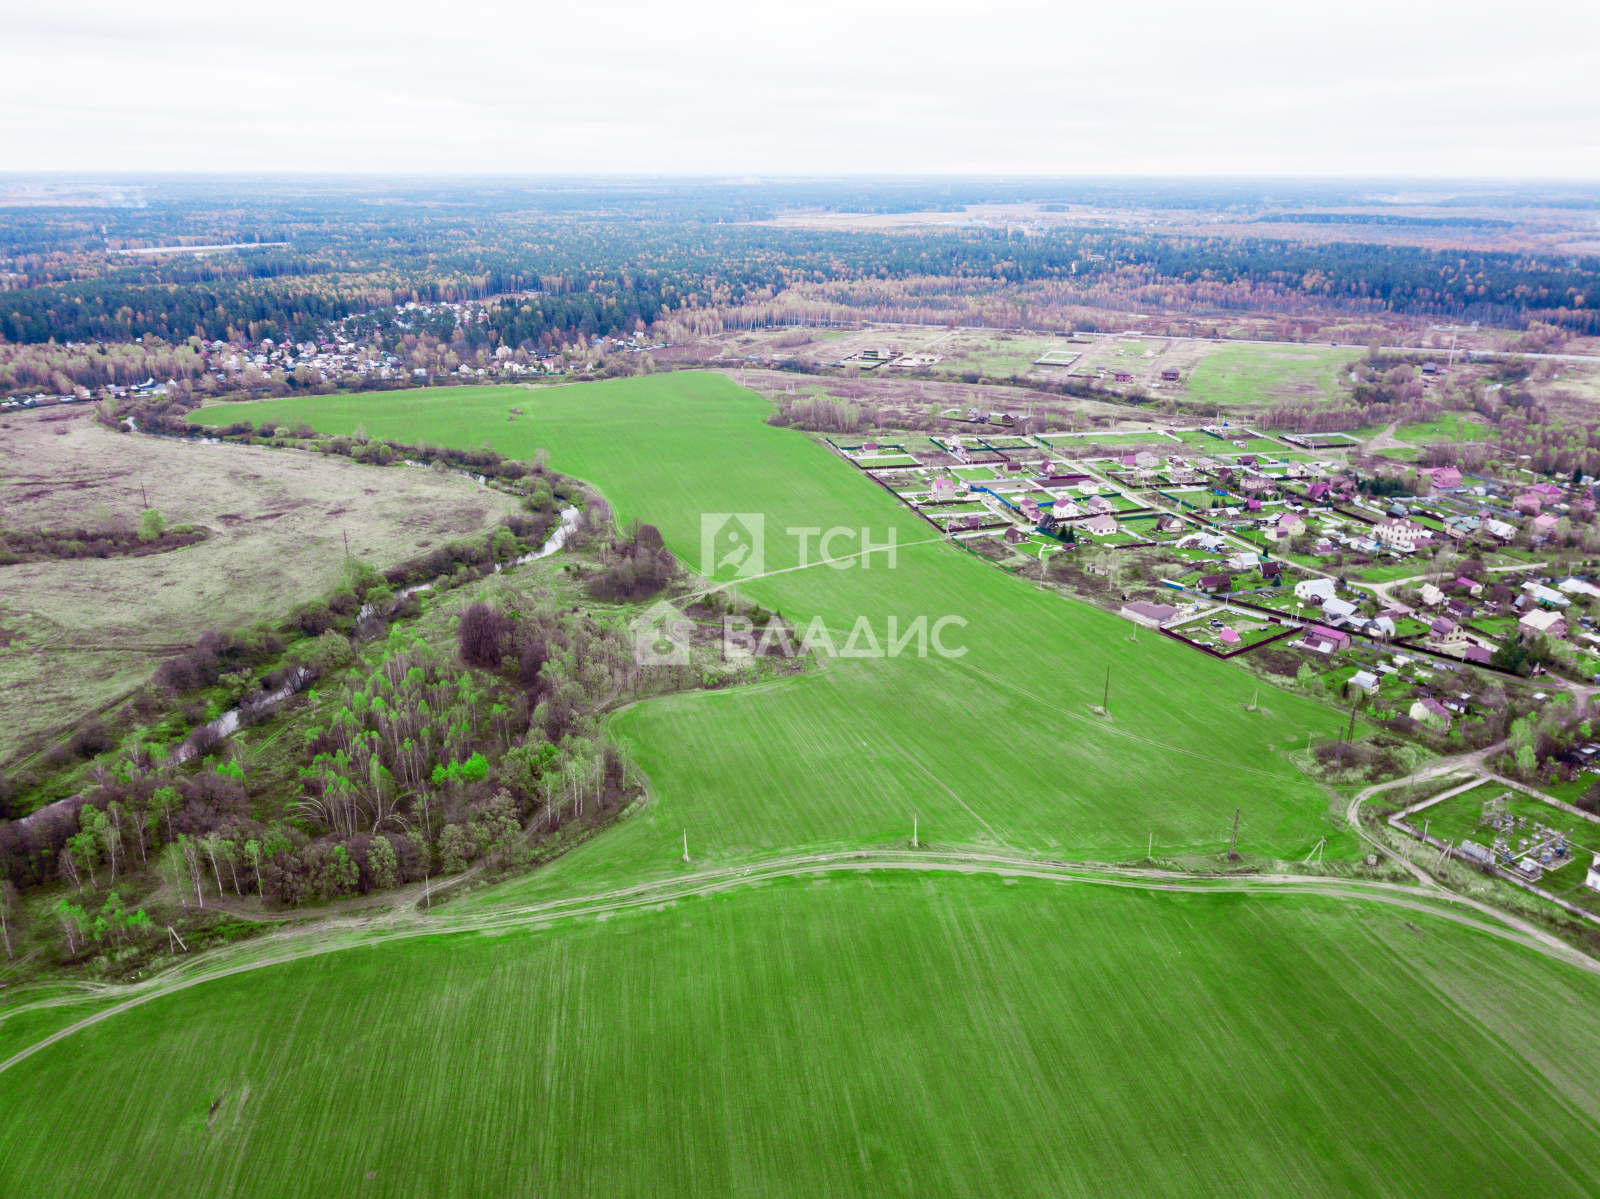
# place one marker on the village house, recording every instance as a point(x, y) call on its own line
point(1168, 523)
point(1446, 636)
point(1148, 614)
point(1101, 526)
point(1288, 524)
point(1365, 681)
point(1380, 626)
point(1546, 595)
point(1169, 375)
point(1443, 478)
point(1323, 640)
point(1430, 711)
point(1335, 611)
point(1314, 590)
point(1550, 624)
point(1015, 536)
point(1432, 596)
point(1098, 504)
point(1400, 534)
point(1579, 587)
point(1214, 583)
point(1499, 530)
point(1544, 524)
point(1528, 502)
point(1477, 655)
point(1065, 510)
point(1475, 589)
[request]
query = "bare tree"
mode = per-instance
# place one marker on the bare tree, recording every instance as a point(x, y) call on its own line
point(8, 910)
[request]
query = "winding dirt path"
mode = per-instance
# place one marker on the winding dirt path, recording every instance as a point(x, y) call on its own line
point(333, 937)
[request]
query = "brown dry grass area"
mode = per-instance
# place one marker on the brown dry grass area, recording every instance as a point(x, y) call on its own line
point(84, 632)
point(903, 398)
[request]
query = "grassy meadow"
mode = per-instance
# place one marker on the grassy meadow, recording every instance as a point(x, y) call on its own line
point(278, 520)
point(1006, 726)
point(848, 1033)
point(1253, 374)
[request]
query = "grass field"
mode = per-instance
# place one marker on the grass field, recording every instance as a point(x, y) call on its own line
point(1452, 426)
point(278, 519)
point(848, 1034)
point(843, 1031)
point(849, 755)
point(1261, 374)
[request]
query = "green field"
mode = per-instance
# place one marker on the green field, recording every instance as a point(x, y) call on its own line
point(848, 1034)
point(848, 755)
point(855, 1032)
point(1452, 426)
point(1262, 374)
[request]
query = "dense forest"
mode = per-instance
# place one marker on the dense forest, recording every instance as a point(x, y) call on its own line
point(591, 262)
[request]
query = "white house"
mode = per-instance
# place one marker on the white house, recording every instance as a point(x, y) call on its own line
point(1545, 595)
point(1432, 596)
point(1337, 609)
point(1579, 587)
point(1365, 680)
point(1321, 589)
point(1400, 534)
point(1499, 529)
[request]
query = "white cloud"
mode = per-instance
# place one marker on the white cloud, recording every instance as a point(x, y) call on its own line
point(1229, 88)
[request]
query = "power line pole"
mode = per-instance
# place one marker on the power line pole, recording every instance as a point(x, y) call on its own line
point(1233, 846)
point(685, 845)
point(913, 830)
point(1105, 704)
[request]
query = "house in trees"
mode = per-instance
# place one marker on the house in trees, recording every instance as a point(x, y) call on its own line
point(1431, 712)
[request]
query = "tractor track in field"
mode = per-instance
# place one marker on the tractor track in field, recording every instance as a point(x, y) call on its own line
point(295, 945)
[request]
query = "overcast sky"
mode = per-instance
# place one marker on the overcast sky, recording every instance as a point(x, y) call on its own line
point(999, 87)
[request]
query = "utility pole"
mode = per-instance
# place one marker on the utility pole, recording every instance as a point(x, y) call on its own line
point(346, 533)
point(1150, 851)
point(913, 830)
point(142, 495)
point(1105, 704)
point(685, 845)
point(1233, 846)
